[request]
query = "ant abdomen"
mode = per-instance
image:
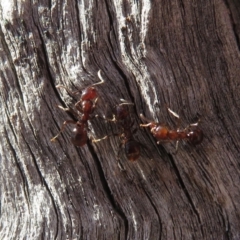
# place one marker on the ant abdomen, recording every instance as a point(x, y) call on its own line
point(132, 150)
point(81, 137)
point(195, 136)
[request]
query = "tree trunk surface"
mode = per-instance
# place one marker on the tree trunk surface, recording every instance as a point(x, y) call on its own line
point(181, 54)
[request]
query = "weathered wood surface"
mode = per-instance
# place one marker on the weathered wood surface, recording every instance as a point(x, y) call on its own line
point(181, 53)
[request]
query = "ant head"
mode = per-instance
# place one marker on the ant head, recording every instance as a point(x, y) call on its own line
point(79, 140)
point(121, 112)
point(89, 93)
point(195, 136)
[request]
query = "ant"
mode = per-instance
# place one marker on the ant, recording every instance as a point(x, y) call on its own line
point(85, 106)
point(122, 118)
point(163, 133)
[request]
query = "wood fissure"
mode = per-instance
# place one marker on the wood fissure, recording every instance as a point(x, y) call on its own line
point(157, 55)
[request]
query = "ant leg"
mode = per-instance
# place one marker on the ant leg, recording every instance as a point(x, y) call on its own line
point(69, 91)
point(146, 120)
point(195, 124)
point(64, 109)
point(72, 93)
point(78, 105)
point(145, 125)
point(68, 110)
point(99, 139)
point(161, 142)
point(176, 148)
point(125, 102)
point(62, 129)
point(120, 148)
point(105, 137)
point(107, 119)
point(102, 117)
point(111, 120)
point(192, 125)
point(94, 104)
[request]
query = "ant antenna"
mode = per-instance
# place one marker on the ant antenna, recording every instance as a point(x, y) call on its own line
point(173, 113)
point(125, 102)
point(100, 77)
point(77, 91)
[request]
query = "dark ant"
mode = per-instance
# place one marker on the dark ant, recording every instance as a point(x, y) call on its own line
point(122, 118)
point(131, 147)
point(162, 133)
point(85, 106)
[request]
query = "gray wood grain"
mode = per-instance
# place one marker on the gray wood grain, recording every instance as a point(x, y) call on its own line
point(180, 54)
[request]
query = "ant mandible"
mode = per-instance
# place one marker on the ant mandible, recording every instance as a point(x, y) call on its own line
point(123, 120)
point(163, 133)
point(85, 106)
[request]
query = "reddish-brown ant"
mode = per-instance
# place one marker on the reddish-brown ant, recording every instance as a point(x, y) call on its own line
point(85, 106)
point(123, 120)
point(163, 133)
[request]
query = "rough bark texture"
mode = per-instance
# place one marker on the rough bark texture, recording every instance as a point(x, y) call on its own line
point(181, 53)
